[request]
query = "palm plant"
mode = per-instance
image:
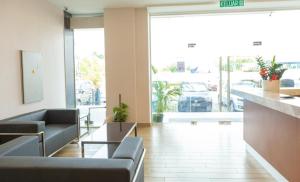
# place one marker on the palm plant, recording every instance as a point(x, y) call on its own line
point(164, 93)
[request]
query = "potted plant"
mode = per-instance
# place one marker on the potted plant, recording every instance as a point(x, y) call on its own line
point(163, 93)
point(120, 113)
point(270, 73)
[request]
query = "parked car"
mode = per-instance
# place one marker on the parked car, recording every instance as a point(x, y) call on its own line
point(212, 87)
point(236, 103)
point(84, 92)
point(195, 98)
point(291, 77)
point(212, 84)
point(287, 83)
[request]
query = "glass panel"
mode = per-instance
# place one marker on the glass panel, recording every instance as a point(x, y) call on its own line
point(185, 50)
point(103, 151)
point(244, 74)
point(83, 124)
point(90, 75)
point(111, 131)
point(291, 77)
point(182, 87)
point(225, 97)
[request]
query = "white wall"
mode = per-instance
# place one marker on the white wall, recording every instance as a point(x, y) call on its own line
point(127, 70)
point(37, 26)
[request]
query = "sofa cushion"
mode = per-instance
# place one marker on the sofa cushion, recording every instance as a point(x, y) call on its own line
point(62, 116)
point(21, 146)
point(58, 135)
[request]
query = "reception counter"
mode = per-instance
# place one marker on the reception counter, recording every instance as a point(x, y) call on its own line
point(272, 130)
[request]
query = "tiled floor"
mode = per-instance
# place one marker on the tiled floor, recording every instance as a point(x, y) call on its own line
point(203, 152)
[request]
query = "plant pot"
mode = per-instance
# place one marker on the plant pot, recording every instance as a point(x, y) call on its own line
point(158, 117)
point(271, 86)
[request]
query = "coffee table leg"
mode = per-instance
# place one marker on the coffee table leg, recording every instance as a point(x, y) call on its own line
point(135, 131)
point(82, 149)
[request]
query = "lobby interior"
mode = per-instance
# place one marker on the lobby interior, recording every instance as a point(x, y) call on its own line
point(52, 129)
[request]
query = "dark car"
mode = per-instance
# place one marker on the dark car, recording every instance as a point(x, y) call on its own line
point(84, 92)
point(195, 98)
point(287, 83)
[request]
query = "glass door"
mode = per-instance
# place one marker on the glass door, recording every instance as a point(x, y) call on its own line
point(238, 72)
point(224, 91)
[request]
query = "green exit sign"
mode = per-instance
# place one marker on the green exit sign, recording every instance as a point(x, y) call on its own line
point(231, 3)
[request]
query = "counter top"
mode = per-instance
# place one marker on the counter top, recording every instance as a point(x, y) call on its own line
point(275, 101)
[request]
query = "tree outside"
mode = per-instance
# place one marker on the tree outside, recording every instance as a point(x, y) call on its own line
point(92, 68)
point(91, 73)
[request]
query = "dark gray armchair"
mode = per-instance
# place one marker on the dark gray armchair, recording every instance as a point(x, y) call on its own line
point(126, 165)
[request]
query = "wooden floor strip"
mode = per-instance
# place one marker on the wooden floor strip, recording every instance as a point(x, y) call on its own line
point(181, 152)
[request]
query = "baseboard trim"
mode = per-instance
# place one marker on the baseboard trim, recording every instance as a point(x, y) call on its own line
point(276, 174)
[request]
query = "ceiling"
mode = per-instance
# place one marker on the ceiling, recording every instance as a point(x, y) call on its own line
point(97, 6)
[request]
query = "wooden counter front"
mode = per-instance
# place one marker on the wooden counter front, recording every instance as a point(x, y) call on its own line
point(275, 136)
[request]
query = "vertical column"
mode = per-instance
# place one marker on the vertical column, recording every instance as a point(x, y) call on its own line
point(120, 58)
point(69, 62)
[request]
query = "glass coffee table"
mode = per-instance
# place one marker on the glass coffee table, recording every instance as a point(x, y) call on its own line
point(110, 134)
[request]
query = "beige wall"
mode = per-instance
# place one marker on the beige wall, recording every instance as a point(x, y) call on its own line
point(87, 22)
point(142, 66)
point(127, 70)
point(30, 25)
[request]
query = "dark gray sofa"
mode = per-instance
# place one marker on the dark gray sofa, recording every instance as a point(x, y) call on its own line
point(126, 165)
point(54, 127)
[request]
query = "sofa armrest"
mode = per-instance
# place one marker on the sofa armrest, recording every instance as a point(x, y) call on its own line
point(130, 148)
point(22, 126)
point(28, 169)
point(62, 116)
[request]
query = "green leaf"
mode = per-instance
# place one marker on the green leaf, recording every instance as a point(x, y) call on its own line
point(120, 113)
point(164, 93)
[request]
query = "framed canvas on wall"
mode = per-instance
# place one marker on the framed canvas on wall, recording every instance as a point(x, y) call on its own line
point(32, 77)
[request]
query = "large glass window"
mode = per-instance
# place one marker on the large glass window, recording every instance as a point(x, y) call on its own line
point(196, 60)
